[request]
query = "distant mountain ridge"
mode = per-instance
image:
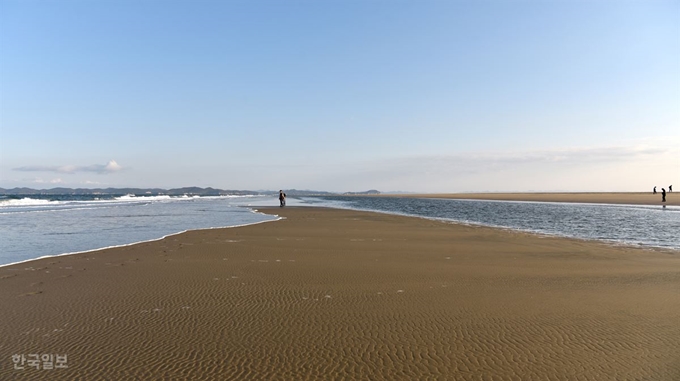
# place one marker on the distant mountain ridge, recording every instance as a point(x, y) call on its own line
point(191, 191)
point(371, 192)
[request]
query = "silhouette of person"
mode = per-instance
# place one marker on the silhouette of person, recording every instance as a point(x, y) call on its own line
point(670, 188)
point(654, 190)
point(663, 195)
point(282, 198)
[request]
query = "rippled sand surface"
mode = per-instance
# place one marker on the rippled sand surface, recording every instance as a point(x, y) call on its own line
point(336, 294)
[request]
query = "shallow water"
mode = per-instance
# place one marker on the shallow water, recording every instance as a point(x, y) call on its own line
point(32, 228)
point(651, 226)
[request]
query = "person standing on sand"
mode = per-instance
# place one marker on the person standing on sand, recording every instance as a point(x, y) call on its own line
point(282, 198)
point(654, 190)
point(670, 188)
point(663, 195)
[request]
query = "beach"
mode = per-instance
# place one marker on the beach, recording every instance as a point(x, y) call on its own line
point(341, 294)
point(629, 198)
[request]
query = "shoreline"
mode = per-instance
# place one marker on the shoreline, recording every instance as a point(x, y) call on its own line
point(613, 198)
point(538, 234)
point(255, 209)
point(143, 241)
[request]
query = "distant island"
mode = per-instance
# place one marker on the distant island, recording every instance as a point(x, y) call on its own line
point(190, 191)
point(368, 192)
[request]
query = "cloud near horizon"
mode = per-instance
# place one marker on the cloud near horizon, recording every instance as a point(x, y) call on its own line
point(483, 162)
point(43, 181)
point(110, 167)
point(576, 169)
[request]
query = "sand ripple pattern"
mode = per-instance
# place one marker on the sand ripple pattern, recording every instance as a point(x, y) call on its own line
point(335, 295)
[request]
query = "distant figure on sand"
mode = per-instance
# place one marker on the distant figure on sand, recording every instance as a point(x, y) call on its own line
point(663, 195)
point(282, 198)
point(670, 188)
point(654, 190)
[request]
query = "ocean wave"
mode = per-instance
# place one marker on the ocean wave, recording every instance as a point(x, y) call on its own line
point(132, 197)
point(30, 205)
point(26, 201)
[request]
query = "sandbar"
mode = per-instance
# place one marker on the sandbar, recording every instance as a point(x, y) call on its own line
point(329, 294)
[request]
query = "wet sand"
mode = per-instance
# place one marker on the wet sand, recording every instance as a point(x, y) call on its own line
point(630, 198)
point(337, 294)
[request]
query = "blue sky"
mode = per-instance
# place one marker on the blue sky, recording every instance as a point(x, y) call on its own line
point(427, 96)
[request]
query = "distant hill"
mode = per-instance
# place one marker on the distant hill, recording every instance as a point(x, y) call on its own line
point(368, 192)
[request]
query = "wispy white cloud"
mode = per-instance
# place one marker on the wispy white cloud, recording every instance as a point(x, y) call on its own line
point(110, 167)
point(50, 181)
point(620, 168)
point(485, 162)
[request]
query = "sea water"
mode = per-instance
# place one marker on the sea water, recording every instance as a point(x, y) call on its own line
point(32, 227)
point(35, 227)
point(638, 225)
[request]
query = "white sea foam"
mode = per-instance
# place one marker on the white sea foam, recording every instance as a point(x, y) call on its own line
point(26, 201)
point(32, 205)
point(132, 197)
